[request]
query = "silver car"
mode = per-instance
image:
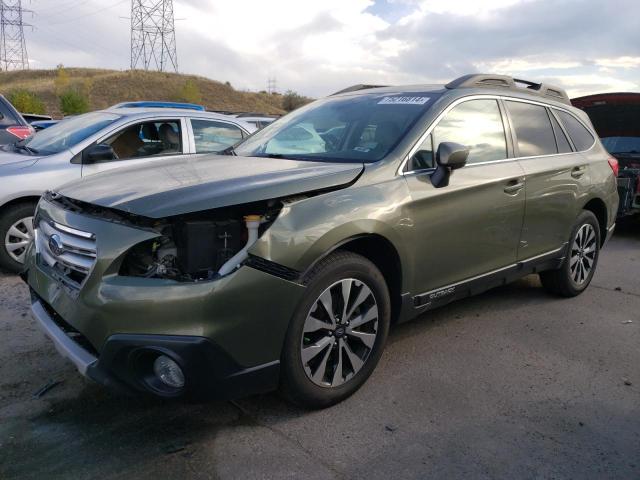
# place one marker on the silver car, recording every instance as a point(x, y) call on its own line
point(92, 143)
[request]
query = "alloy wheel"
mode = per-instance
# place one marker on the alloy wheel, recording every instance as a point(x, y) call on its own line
point(583, 254)
point(339, 333)
point(18, 238)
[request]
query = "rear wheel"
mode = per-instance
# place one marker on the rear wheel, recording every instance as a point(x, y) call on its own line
point(582, 258)
point(338, 332)
point(16, 232)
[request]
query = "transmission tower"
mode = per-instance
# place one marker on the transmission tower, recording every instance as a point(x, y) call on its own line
point(153, 35)
point(271, 85)
point(13, 48)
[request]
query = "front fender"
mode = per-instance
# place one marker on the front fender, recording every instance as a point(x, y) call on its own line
point(308, 229)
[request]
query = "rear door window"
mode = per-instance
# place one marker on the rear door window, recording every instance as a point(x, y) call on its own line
point(581, 137)
point(533, 129)
point(212, 136)
point(477, 124)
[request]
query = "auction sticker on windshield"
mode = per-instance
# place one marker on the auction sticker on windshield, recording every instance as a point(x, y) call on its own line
point(403, 101)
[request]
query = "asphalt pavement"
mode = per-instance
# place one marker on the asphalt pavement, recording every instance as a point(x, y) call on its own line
point(513, 383)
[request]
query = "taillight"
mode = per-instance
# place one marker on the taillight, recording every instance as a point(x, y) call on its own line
point(20, 131)
point(613, 163)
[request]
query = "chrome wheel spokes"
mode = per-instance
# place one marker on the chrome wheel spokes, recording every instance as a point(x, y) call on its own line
point(18, 238)
point(339, 333)
point(583, 254)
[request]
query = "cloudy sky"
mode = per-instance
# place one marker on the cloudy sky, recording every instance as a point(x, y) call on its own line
point(319, 46)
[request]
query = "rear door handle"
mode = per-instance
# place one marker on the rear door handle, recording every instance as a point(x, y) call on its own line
point(514, 186)
point(577, 172)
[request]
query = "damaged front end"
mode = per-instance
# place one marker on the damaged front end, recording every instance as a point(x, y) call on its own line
point(188, 248)
point(202, 246)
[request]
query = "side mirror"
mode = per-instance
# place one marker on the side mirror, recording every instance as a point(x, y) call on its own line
point(98, 153)
point(450, 156)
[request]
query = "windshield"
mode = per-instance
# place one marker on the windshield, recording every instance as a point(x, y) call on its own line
point(358, 128)
point(68, 133)
point(622, 144)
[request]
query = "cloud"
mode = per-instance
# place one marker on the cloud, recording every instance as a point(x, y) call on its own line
point(317, 47)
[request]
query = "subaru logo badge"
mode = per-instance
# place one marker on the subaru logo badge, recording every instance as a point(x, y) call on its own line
point(55, 245)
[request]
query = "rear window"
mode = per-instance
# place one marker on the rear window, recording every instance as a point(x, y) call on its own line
point(7, 116)
point(533, 129)
point(581, 137)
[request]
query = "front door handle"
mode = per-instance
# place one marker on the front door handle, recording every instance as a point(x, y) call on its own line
point(514, 186)
point(577, 172)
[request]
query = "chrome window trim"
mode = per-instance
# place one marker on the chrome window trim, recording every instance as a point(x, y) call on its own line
point(460, 100)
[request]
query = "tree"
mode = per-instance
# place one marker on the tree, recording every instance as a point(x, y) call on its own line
point(62, 80)
point(190, 92)
point(73, 102)
point(26, 102)
point(292, 100)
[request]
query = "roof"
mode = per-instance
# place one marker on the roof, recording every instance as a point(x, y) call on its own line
point(143, 113)
point(480, 83)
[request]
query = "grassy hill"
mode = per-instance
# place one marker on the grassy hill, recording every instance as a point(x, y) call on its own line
point(107, 87)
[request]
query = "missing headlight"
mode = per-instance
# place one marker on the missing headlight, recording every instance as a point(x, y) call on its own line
point(198, 247)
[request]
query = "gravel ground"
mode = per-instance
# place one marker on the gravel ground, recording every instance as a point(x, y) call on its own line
point(513, 383)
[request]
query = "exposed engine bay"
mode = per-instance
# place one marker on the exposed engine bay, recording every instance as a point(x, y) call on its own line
point(201, 246)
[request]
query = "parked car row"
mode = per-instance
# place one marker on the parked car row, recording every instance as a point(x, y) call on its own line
point(283, 262)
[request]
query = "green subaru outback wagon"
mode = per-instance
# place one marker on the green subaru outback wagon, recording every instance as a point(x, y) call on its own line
point(283, 263)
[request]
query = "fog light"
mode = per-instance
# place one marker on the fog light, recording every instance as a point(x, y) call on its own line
point(168, 371)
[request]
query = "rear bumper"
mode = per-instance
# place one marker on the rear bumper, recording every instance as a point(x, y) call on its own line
point(123, 362)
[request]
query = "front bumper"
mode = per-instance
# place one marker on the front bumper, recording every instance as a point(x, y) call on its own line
point(226, 334)
point(209, 371)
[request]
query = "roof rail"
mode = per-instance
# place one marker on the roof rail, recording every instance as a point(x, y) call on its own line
point(355, 88)
point(504, 81)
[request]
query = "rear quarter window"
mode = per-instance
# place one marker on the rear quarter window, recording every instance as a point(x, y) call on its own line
point(581, 137)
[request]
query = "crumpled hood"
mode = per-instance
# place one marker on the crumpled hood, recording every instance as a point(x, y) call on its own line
point(194, 183)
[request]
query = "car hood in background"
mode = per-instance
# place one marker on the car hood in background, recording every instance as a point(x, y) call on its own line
point(9, 158)
point(182, 185)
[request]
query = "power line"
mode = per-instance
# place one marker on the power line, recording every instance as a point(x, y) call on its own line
point(153, 36)
point(88, 14)
point(13, 47)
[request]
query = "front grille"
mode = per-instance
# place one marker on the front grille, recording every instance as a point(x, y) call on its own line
point(70, 253)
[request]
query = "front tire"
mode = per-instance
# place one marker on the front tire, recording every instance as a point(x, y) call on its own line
point(338, 332)
point(576, 272)
point(16, 232)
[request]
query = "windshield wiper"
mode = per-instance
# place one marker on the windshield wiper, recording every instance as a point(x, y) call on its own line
point(31, 151)
point(228, 151)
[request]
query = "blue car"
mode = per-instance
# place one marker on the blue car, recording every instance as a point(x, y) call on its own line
point(152, 104)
